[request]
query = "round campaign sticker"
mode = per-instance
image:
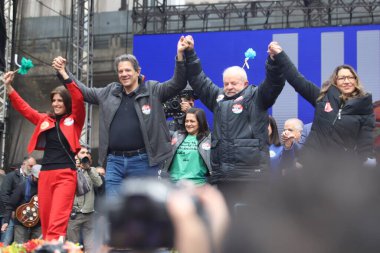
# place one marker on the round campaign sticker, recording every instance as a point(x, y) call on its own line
point(272, 153)
point(237, 108)
point(44, 125)
point(220, 97)
point(174, 141)
point(146, 109)
point(206, 146)
point(68, 121)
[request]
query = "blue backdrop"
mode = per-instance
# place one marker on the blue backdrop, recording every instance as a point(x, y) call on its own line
point(316, 52)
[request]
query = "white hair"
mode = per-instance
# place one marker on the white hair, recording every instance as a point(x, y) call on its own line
point(236, 70)
point(298, 124)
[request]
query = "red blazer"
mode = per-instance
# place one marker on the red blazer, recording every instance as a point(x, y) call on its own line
point(71, 125)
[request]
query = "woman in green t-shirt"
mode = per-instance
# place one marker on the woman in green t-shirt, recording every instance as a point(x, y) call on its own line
point(191, 149)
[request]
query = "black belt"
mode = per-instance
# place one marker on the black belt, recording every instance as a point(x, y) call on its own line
point(127, 153)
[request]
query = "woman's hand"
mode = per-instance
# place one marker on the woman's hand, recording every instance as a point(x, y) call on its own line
point(8, 79)
point(59, 64)
point(181, 46)
point(274, 49)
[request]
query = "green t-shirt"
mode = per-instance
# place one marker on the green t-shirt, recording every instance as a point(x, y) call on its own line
point(188, 163)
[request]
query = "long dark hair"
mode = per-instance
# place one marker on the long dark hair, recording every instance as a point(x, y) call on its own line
point(203, 129)
point(274, 138)
point(66, 97)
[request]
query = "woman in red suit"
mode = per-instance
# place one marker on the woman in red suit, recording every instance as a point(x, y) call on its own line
point(57, 133)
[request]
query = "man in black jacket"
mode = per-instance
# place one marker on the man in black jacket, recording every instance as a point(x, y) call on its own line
point(11, 181)
point(133, 136)
point(239, 149)
point(23, 193)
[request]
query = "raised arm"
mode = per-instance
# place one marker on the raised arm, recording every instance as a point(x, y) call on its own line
point(90, 95)
point(304, 87)
point(78, 110)
point(274, 81)
point(173, 86)
point(18, 103)
point(206, 90)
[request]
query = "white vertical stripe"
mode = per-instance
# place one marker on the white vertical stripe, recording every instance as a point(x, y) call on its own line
point(286, 105)
point(368, 61)
point(332, 53)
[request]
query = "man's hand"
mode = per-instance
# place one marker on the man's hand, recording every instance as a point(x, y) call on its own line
point(287, 138)
point(189, 226)
point(4, 227)
point(274, 49)
point(181, 47)
point(190, 42)
point(8, 79)
point(59, 64)
point(185, 106)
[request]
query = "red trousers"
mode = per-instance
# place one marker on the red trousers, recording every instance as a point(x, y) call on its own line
point(56, 192)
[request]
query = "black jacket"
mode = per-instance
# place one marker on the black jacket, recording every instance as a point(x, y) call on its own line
point(340, 128)
point(239, 149)
point(18, 198)
point(148, 104)
point(10, 183)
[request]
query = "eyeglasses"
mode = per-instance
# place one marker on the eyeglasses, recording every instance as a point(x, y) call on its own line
point(343, 78)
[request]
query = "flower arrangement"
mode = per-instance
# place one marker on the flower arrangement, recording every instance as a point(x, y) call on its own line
point(38, 245)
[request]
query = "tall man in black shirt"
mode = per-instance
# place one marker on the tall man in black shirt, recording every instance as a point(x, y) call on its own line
point(133, 135)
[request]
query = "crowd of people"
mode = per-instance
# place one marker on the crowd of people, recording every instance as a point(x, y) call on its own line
point(233, 166)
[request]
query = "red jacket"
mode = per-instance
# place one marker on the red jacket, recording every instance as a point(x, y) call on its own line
point(71, 125)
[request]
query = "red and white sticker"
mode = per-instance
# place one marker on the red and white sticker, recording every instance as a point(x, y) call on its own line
point(237, 108)
point(220, 97)
point(174, 141)
point(44, 125)
point(68, 121)
point(145, 109)
point(328, 107)
point(206, 146)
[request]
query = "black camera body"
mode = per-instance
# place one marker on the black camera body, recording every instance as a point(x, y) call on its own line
point(172, 107)
point(138, 218)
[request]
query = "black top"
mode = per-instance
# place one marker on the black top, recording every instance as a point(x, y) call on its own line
point(125, 132)
point(55, 157)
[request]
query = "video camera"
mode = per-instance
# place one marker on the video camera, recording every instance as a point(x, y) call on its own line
point(138, 218)
point(172, 107)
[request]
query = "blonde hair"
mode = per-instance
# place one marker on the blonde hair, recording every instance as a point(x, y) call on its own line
point(358, 92)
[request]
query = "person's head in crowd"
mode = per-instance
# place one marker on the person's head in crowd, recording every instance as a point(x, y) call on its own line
point(83, 153)
point(317, 210)
point(196, 123)
point(2, 171)
point(36, 172)
point(60, 101)
point(234, 80)
point(346, 80)
point(292, 131)
point(128, 71)
point(27, 165)
point(274, 137)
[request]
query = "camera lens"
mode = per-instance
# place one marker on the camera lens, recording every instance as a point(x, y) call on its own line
point(175, 104)
point(85, 160)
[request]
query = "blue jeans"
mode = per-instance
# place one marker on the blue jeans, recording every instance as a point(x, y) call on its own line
point(120, 167)
point(7, 236)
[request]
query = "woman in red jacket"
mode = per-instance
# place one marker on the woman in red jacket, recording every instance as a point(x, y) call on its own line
point(57, 133)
